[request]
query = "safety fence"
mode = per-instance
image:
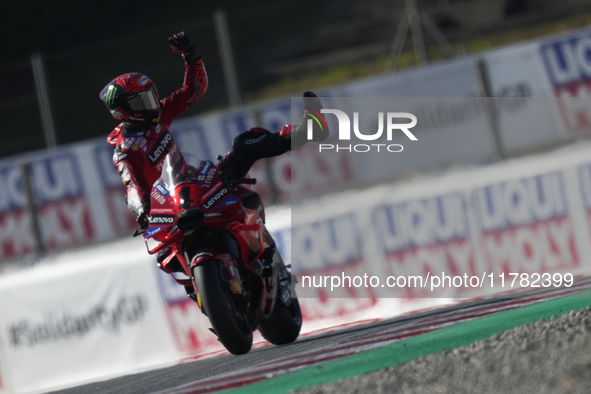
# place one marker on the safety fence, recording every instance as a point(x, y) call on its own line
point(78, 197)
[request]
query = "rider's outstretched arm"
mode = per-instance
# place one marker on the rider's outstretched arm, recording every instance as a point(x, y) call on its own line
point(194, 84)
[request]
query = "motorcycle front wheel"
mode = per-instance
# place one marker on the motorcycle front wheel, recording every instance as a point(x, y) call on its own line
point(229, 324)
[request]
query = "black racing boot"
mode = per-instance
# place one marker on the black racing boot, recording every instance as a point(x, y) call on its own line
point(299, 136)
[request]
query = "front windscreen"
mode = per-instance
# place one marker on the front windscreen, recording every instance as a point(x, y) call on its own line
point(179, 167)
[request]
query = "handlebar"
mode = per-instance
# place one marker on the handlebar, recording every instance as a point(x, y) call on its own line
point(246, 181)
point(231, 181)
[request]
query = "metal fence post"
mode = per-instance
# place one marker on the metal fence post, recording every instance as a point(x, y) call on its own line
point(490, 107)
point(271, 184)
point(31, 207)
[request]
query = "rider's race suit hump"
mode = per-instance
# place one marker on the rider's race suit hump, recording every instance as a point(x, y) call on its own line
point(139, 156)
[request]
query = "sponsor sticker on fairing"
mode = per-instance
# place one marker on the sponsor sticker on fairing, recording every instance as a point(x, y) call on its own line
point(216, 197)
point(161, 188)
point(158, 197)
point(162, 219)
point(203, 172)
point(229, 201)
point(209, 177)
point(151, 231)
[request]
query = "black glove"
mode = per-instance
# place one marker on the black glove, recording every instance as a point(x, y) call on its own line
point(143, 217)
point(226, 176)
point(180, 43)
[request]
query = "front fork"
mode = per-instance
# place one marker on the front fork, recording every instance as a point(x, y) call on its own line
point(275, 279)
point(229, 269)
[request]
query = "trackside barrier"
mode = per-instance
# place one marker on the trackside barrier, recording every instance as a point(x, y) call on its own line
point(87, 317)
point(106, 311)
point(528, 215)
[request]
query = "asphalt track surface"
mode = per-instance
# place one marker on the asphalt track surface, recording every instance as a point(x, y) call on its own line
point(172, 377)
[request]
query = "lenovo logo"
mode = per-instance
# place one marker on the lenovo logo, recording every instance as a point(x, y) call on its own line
point(213, 200)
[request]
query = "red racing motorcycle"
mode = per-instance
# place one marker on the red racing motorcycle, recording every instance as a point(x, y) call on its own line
point(214, 233)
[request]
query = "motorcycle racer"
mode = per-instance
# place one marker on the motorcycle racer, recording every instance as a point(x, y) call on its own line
point(143, 138)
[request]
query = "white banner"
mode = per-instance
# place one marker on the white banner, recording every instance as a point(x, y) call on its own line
point(527, 119)
point(93, 318)
point(526, 216)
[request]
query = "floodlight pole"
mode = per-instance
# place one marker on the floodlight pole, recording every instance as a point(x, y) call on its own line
point(223, 34)
point(416, 32)
point(43, 100)
point(411, 20)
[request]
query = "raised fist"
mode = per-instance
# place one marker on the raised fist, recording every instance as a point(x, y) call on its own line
point(180, 43)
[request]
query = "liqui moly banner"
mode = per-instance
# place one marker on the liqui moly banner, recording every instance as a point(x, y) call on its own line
point(567, 60)
point(467, 233)
point(64, 211)
point(425, 235)
point(525, 225)
point(326, 248)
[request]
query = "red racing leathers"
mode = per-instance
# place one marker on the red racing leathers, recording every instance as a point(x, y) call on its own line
point(139, 154)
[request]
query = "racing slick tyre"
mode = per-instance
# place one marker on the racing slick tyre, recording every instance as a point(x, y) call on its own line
point(284, 324)
point(229, 324)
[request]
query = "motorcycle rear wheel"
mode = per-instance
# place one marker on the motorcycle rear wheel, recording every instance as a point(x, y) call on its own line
point(284, 324)
point(229, 324)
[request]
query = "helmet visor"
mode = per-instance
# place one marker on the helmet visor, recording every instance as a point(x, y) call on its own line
point(147, 100)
